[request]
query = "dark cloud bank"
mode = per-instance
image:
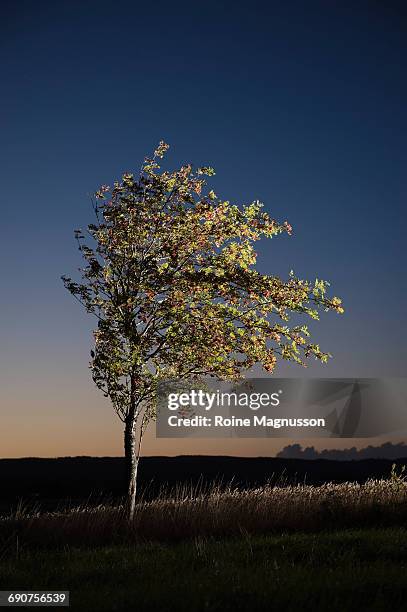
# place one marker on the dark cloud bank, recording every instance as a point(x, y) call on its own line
point(385, 451)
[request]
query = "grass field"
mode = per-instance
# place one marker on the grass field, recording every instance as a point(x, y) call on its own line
point(342, 570)
point(335, 547)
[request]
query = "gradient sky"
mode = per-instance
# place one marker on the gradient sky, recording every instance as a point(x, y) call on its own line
point(299, 104)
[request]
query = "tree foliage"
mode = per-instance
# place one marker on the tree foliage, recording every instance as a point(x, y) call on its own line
point(170, 275)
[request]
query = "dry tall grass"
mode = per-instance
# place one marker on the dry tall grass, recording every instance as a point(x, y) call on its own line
point(216, 513)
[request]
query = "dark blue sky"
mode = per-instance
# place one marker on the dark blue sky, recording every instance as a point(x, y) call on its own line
point(299, 104)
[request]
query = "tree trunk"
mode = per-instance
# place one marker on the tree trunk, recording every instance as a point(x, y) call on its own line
point(132, 456)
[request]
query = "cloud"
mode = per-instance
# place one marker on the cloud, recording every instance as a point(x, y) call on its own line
point(388, 450)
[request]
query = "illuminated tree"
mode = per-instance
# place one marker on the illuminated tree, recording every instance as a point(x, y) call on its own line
point(170, 275)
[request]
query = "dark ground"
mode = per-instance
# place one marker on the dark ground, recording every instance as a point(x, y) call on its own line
point(339, 571)
point(52, 482)
point(360, 567)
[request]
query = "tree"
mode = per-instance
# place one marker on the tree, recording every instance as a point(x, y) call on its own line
point(170, 275)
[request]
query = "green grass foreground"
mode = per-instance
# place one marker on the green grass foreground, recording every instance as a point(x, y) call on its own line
point(332, 547)
point(362, 569)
